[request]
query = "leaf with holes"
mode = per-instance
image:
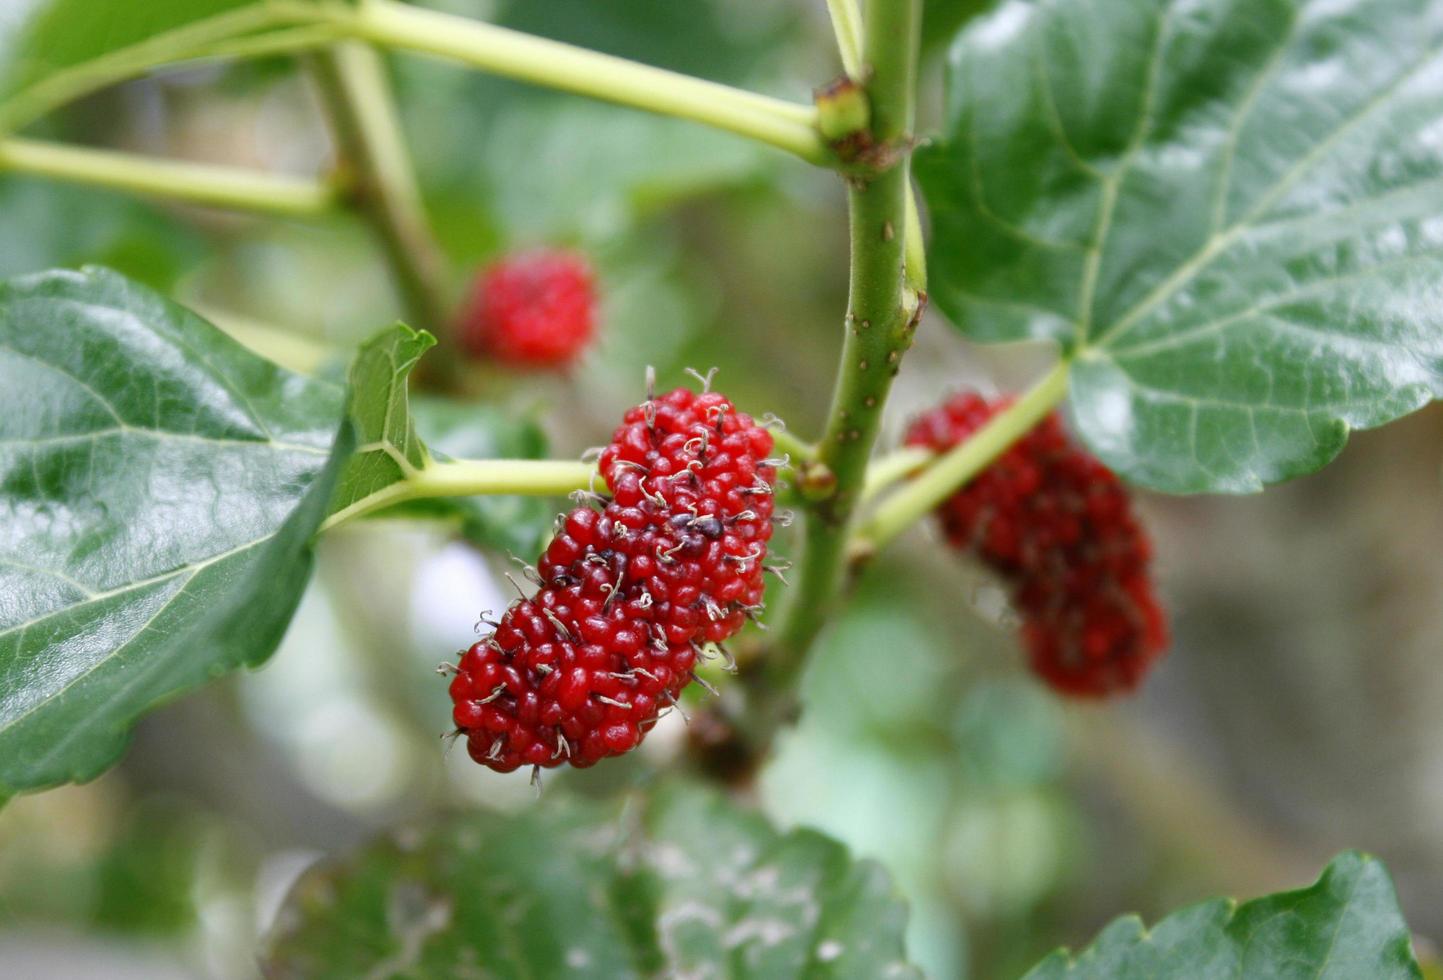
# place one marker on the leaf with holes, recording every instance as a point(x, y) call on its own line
point(677, 883)
point(1227, 210)
point(389, 451)
point(159, 487)
point(1345, 926)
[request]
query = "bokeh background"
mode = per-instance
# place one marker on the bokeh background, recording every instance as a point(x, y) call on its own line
point(1299, 712)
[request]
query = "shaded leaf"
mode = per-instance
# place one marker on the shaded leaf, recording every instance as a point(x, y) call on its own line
point(1344, 927)
point(159, 487)
point(680, 883)
point(1228, 209)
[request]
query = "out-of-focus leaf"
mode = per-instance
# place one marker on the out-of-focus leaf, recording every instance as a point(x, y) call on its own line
point(1346, 926)
point(542, 188)
point(942, 19)
point(505, 163)
point(713, 39)
point(159, 487)
point(49, 225)
point(678, 883)
point(1227, 209)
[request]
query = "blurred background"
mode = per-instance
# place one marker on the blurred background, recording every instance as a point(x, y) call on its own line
point(1298, 713)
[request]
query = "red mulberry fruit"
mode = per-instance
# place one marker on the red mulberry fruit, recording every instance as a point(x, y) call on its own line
point(1058, 526)
point(630, 594)
point(536, 309)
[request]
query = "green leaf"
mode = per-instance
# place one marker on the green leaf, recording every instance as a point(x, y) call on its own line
point(388, 450)
point(159, 487)
point(1345, 927)
point(681, 883)
point(505, 522)
point(1227, 209)
point(55, 44)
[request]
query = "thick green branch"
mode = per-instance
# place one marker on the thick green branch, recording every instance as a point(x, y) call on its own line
point(878, 327)
point(196, 183)
point(960, 464)
point(368, 132)
point(469, 478)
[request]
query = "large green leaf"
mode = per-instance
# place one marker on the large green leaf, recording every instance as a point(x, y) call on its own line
point(1344, 927)
point(159, 487)
point(680, 883)
point(1227, 209)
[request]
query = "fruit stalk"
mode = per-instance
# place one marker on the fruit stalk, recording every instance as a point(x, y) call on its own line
point(954, 468)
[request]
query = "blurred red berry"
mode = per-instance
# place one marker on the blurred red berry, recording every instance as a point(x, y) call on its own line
point(1059, 526)
point(536, 309)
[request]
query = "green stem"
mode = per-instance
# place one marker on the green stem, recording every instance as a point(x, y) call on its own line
point(290, 40)
point(789, 126)
point(469, 478)
point(877, 331)
point(914, 245)
point(368, 131)
point(961, 463)
point(895, 466)
point(847, 25)
point(197, 183)
point(785, 442)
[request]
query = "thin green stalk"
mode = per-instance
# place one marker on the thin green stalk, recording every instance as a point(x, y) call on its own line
point(894, 466)
point(469, 478)
point(877, 332)
point(290, 40)
point(914, 245)
point(368, 131)
point(847, 25)
point(196, 183)
point(498, 50)
point(960, 464)
point(799, 451)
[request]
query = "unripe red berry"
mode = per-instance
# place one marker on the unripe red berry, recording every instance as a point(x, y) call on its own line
point(1058, 525)
point(535, 309)
point(629, 594)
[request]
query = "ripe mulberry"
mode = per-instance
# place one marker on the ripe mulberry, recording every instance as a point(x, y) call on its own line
point(1059, 526)
point(536, 309)
point(630, 594)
